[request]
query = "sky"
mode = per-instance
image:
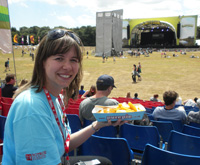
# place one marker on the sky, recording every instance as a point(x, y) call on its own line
point(77, 13)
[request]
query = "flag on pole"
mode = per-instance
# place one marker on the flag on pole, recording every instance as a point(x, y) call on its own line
point(38, 39)
point(15, 39)
point(27, 39)
point(32, 39)
point(22, 40)
point(5, 32)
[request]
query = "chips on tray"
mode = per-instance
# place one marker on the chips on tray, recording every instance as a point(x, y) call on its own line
point(121, 111)
point(121, 108)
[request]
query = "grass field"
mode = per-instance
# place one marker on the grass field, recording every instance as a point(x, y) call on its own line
point(181, 73)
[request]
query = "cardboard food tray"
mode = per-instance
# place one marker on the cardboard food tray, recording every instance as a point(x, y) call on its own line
point(102, 117)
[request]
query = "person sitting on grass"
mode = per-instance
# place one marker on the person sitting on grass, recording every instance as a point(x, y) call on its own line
point(128, 95)
point(155, 98)
point(81, 91)
point(135, 96)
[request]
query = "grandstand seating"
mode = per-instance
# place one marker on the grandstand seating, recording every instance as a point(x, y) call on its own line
point(7, 100)
point(190, 108)
point(0, 108)
point(115, 149)
point(72, 111)
point(194, 124)
point(183, 144)
point(2, 124)
point(74, 122)
point(109, 131)
point(73, 106)
point(190, 130)
point(164, 129)
point(6, 105)
point(75, 125)
point(150, 116)
point(86, 122)
point(5, 108)
point(156, 156)
point(138, 136)
point(177, 124)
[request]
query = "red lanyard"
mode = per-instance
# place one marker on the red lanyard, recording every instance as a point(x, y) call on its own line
point(66, 142)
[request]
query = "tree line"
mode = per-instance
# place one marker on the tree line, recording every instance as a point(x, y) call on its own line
point(86, 33)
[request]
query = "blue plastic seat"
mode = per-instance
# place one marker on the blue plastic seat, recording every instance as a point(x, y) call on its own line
point(190, 130)
point(156, 156)
point(184, 144)
point(2, 125)
point(86, 122)
point(188, 107)
point(75, 125)
point(74, 122)
point(149, 110)
point(150, 116)
point(194, 124)
point(115, 149)
point(164, 128)
point(177, 124)
point(108, 131)
point(138, 136)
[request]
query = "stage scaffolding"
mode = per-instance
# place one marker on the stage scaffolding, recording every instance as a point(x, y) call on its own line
point(108, 32)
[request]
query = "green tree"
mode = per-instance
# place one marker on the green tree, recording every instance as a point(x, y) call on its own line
point(43, 31)
point(198, 32)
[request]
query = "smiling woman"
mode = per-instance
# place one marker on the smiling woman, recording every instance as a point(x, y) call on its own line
point(36, 129)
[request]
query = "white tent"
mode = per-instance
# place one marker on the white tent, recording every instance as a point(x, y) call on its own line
point(198, 42)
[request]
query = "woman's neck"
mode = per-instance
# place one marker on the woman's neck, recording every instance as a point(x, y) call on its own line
point(54, 91)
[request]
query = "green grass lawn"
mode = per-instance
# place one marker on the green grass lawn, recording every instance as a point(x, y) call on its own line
point(158, 74)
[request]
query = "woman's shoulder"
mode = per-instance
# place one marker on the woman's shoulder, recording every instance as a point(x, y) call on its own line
point(30, 99)
point(30, 103)
point(30, 95)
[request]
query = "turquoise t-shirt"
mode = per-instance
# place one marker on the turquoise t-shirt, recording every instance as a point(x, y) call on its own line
point(32, 135)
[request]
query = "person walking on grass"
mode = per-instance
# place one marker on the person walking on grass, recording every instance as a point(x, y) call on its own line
point(7, 65)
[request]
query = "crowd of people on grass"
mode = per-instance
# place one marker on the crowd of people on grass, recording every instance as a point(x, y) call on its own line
point(30, 50)
point(37, 128)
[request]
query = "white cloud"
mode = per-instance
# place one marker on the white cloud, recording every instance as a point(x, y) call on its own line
point(67, 21)
point(24, 5)
point(15, 1)
point(86, 20)
point(53, 13)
